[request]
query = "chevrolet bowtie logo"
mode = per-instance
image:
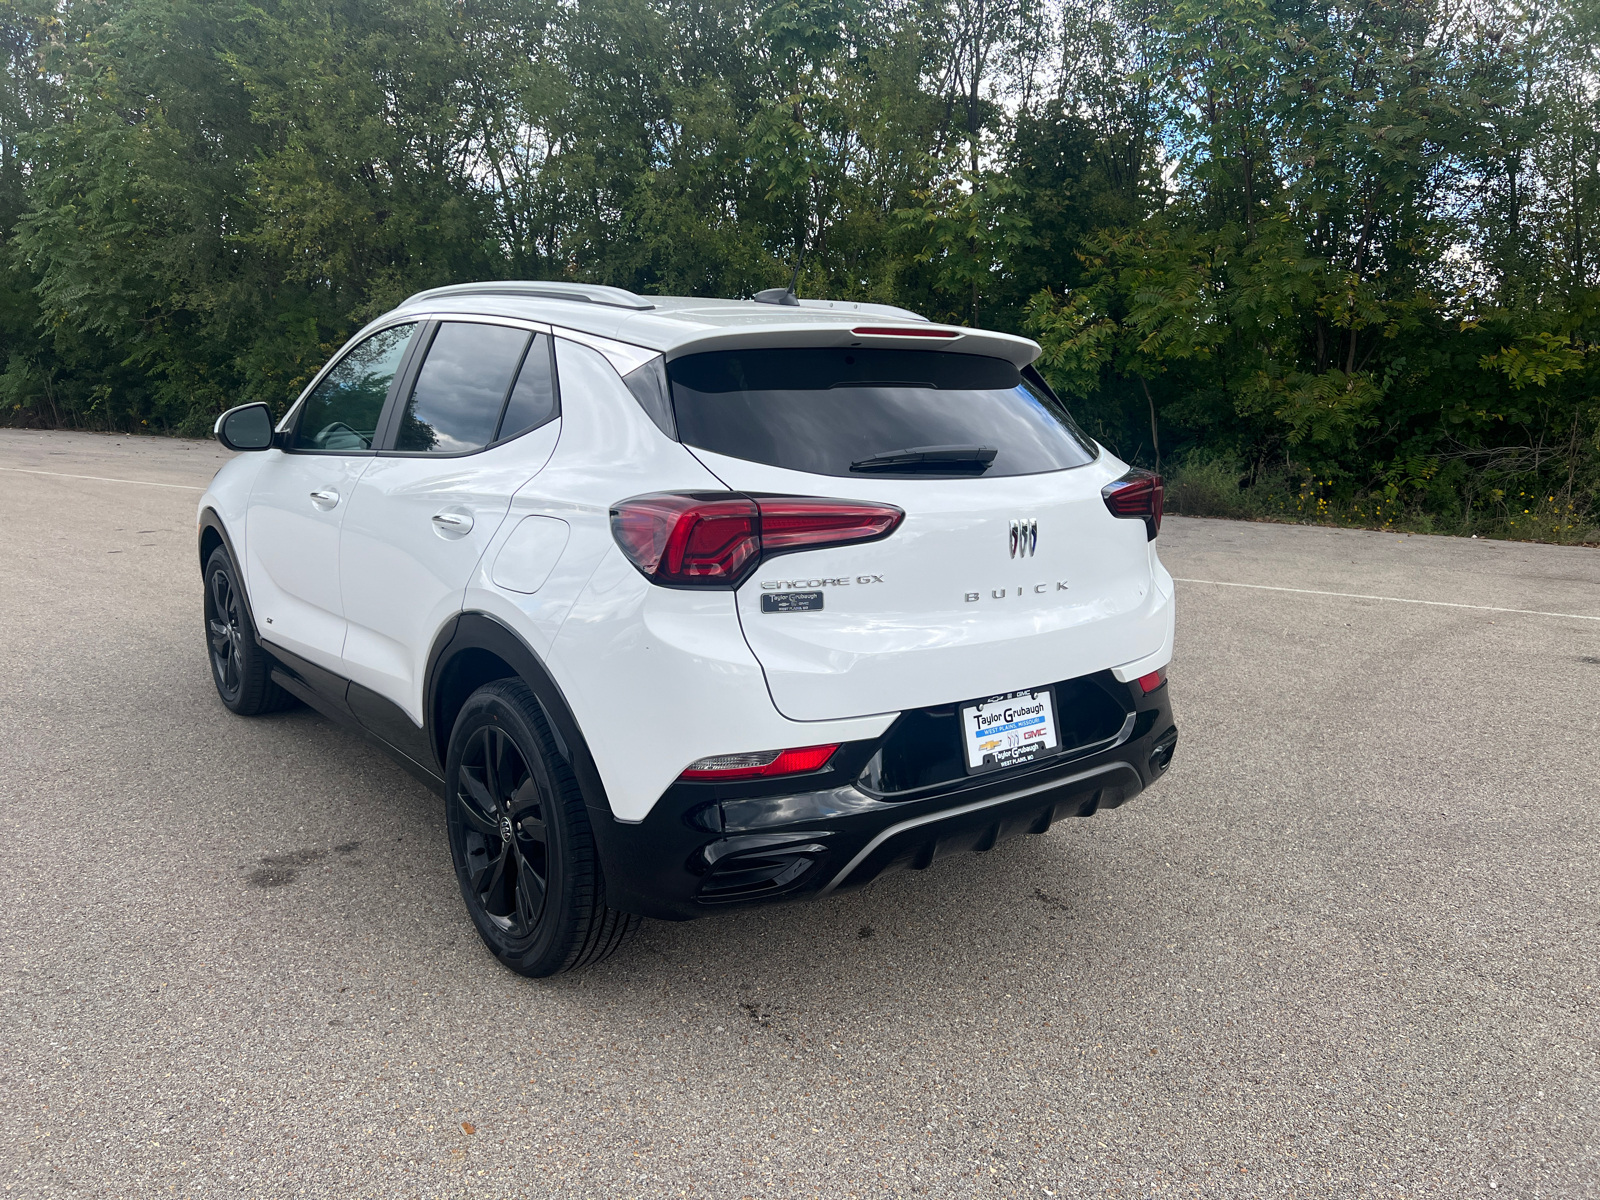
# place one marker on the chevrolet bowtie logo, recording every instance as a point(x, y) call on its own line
point(1024, 538)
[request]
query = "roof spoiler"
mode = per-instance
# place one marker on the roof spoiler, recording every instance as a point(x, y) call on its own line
point(863, 308)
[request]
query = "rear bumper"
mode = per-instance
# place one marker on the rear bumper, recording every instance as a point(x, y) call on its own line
point(695, 855)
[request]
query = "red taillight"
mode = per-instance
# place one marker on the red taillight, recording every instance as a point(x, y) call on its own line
point(715, 539)
point(1149, 683)
point(688, 537)
point(1137, 494)
point(760, 763)
point(904, 331)
point(804, 523)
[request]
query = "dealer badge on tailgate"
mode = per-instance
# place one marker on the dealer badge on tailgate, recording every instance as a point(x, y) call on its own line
point(791, 601)
point(1004, 731)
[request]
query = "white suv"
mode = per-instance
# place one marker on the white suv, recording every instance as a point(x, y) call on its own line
point(683, 604)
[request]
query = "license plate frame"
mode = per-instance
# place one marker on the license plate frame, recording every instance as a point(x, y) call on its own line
point(1033, 735)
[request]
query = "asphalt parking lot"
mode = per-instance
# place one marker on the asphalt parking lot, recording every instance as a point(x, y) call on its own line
point(1348, 947)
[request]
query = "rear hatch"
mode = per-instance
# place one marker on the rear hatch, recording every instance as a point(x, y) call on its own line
point(1008, 571)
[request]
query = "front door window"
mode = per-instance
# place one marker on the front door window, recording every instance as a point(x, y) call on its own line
point(341, 415)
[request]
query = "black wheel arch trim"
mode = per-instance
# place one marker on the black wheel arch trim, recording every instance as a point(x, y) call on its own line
point(480, 631)
point(209, 519)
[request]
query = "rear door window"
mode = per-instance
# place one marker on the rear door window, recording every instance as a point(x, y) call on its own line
point(455, 404)
point(341, 415)
point(855, 412)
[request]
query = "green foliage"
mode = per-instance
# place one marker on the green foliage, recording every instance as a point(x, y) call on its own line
point(1320, 259)
point(968, 229)
point(1352, 281)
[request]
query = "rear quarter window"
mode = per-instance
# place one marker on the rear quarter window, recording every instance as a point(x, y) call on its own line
point(832, 411)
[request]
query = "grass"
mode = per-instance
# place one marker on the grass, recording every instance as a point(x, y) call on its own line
point(1212, 487)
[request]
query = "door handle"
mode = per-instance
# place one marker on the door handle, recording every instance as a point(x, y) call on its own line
point(325, 498)
point(449, 522)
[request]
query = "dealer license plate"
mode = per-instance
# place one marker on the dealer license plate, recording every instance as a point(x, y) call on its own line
point(1004, 731)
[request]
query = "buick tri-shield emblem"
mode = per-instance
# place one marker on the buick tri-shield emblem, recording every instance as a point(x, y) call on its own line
point(1024, 538)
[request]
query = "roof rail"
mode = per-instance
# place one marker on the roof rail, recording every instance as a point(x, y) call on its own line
point(584, 293)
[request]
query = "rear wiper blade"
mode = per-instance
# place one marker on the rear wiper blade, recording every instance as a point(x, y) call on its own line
point(973, 459)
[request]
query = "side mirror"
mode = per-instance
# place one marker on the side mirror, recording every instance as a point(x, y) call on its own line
point(248, 427)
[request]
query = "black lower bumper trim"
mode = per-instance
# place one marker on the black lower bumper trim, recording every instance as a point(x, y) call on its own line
point(693, 855)
point(931, 829)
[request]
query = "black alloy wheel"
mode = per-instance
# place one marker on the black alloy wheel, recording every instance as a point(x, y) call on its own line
point(239, 666)
point(520, 838)
point(222, 621)
point(507, 846)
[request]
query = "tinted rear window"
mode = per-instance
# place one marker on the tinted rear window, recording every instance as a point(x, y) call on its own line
point(822, 409)
point(461, 389)
point(533, 401)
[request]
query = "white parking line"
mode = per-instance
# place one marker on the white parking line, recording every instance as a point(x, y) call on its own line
point(1262, 587)
point(104, 479)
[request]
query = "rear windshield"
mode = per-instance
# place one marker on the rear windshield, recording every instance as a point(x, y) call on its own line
point(853, 412)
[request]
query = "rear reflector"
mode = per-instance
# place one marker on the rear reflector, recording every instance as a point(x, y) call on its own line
point(1137, 494)
point(715, 539)
point(1149, 683)
point(760, 764)
point(904, 331)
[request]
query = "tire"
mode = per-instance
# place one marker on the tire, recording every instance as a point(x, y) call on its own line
point(520, 839)
point(239, 666)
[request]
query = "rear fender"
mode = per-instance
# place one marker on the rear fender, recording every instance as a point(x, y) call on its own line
point(478, 632)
